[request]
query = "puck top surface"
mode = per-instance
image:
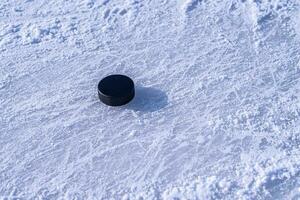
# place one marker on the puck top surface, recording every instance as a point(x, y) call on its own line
point(116, 90)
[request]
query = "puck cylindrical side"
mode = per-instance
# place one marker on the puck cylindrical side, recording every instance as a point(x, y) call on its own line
point(116, 90)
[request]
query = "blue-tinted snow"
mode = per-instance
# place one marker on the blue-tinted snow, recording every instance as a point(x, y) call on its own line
point(216, 115)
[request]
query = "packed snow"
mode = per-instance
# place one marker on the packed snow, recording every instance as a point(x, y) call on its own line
point(216, 113)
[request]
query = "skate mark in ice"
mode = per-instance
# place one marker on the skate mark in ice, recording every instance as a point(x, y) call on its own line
point(123, 12)
point(187, 8)
point(106, 14)
point(105, 2)
point(188, 5)
point(191, 5)
point(148, 99)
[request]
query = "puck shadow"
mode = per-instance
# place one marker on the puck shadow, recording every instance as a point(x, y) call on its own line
point(148, 99)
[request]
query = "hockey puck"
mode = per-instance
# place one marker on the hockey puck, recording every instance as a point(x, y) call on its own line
point(116, 90)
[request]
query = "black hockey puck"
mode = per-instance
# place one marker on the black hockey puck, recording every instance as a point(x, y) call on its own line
point(116, 90)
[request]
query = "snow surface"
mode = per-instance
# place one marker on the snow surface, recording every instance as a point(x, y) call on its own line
point(217, 111)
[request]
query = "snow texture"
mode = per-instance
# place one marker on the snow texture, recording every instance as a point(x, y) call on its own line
point(217, 111)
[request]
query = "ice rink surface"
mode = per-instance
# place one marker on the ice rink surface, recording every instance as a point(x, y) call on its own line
point(216, 115)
